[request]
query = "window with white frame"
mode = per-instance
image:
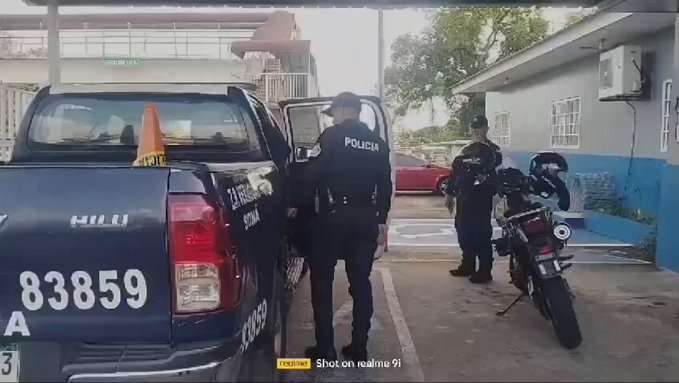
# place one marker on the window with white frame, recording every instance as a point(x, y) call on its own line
point(565, 123)
point(501, 131)
point(666, 108)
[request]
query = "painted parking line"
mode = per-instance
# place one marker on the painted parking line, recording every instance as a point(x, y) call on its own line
point(455, 244)
point(618, 261)
point(410, 359)
point(441, 233)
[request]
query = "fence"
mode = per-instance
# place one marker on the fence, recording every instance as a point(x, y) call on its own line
point(13, 104)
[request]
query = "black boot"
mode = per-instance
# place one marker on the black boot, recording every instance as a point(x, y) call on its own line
point(355, 353)
point(462, 271)
point(315, 353)
point(481, 277)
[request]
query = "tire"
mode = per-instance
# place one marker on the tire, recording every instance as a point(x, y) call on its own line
point(259, 363)
point(277, 339)
point(280, 325)
point(442, 185)
point(560, 306)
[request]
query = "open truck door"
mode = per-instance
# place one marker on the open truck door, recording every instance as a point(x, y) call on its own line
point(304, 123)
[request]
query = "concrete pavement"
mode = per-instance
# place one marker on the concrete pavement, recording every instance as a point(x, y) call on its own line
point(441, 232)
point(438, 328)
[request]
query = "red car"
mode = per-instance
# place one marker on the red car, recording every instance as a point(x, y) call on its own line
point(414, 174)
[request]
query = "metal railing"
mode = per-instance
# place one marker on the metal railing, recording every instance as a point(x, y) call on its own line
point(275, 87)
point(13, 104)
point(131, 43)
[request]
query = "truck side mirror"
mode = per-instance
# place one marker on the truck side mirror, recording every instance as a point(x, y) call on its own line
point(301, 153)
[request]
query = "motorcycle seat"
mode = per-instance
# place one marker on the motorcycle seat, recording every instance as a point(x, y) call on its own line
point(510, 212)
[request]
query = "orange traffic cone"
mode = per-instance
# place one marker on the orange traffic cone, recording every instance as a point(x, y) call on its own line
point(151, 151)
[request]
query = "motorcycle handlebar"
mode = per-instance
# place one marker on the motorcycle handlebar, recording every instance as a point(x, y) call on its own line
point(544, 186)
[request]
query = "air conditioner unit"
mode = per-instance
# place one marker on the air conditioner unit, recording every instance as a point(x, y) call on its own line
point(620, 74)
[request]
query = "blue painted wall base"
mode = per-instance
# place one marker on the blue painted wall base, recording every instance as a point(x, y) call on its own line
point(650, 185)
point(640, 190)
point(622, 229)
point(667, 254)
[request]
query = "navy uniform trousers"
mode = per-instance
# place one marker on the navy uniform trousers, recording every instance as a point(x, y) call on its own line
point(348, 233)
point(475, 232)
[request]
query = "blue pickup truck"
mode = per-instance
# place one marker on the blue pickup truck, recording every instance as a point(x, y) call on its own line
point(118, 273)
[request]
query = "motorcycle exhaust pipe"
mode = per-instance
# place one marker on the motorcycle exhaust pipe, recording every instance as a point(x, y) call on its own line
point(566, 257)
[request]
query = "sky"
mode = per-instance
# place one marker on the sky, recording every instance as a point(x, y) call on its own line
point(344, 42)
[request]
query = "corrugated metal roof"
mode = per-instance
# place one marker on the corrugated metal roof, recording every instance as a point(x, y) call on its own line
point(320, 3)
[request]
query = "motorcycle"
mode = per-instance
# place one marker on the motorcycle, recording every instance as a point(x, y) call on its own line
point(533, 239)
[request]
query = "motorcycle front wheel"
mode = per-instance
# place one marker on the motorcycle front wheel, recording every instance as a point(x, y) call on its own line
point(560, 305)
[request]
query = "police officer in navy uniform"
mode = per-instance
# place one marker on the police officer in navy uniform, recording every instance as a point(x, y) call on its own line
point(470, 196)
point(349, 169)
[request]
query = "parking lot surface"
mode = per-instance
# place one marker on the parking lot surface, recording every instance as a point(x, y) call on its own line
point(433, 327)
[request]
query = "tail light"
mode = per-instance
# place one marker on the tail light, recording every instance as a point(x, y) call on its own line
point(535, 225)
point(546, 252)
point(206, 275)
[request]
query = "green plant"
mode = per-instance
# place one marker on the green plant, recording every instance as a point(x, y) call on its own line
point(617, 209)
point(459, 44)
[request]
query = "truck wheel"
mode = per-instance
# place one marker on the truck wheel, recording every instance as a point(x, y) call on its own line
point(560, 305)
point(279, 326)
point(276, 343)
point(259, 363)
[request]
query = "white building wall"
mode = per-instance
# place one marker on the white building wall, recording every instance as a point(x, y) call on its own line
point(606, 127)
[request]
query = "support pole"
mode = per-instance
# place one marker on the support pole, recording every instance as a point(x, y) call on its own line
point(53, 46)
point(380, 53)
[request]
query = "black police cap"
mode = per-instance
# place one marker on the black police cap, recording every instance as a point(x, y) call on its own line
point(344, 100)
point(479, 122)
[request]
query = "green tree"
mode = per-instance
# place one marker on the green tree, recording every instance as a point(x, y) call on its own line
point(579, 15)
point(459, 44)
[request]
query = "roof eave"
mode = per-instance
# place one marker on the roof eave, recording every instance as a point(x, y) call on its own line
point(567, 46)
point(551, 43)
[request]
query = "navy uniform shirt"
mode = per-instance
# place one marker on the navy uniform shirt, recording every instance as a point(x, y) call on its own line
point(351, 162)
point(470, 197)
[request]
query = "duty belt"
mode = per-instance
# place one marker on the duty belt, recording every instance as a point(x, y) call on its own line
point(345, 200)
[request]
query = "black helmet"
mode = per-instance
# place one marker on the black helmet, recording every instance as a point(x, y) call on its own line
point(512, 180)
point(545, 163)
point(545, 168)
point(479, 122)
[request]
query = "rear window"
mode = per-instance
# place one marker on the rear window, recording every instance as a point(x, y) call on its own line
point(115, 120)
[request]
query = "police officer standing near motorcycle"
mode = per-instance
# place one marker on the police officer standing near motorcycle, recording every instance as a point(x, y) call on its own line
point(349, 169)
point(470, 196)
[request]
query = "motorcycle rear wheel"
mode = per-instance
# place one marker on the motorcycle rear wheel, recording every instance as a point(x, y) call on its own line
point(560, 305)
